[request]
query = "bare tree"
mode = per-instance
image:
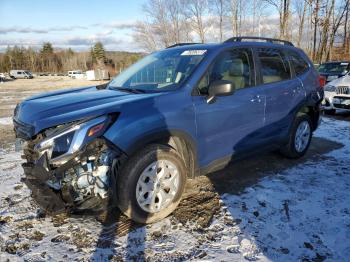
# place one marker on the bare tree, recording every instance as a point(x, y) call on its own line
point(165, 24)
point(336, 22)
point(157, 11)
point(301, 8)
point(346, 26)
point(236, 16)
point(179, 25)
point(219, 8)
point(283, 9)
point(145, 36)
point(195, 11)
point(315, 21)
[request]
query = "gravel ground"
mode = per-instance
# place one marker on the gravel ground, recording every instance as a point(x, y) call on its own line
point(14, 91)
point(263, 208)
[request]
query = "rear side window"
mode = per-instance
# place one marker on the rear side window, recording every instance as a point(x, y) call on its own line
point(299, 65)
point(274, 66)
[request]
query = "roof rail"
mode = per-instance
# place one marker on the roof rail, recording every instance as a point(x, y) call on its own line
point(181, 44)
point(270, 40)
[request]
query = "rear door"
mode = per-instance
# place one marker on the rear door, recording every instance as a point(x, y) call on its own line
point(226, 123)
point(284, 92)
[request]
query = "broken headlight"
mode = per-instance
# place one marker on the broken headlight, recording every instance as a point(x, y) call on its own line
point(61, 145)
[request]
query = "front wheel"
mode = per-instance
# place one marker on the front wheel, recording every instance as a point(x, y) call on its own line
point(299, 137)
point(151, 184)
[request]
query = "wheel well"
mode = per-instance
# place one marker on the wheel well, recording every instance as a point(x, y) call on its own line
point(312, 113)
point(184, 148)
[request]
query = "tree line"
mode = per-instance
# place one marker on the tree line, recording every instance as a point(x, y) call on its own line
point(320, 27)
point(47, 59)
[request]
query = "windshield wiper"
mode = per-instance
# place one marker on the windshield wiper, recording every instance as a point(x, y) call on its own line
point(130, 90)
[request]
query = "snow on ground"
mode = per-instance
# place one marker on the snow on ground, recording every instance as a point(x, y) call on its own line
point(300, 213)
point(5, 120)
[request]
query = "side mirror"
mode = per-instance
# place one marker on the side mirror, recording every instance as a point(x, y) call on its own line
point(220, 88)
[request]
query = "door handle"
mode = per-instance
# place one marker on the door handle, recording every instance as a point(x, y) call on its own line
point(256, 99)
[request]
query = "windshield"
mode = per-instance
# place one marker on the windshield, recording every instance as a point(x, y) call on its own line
point(160, 71)
point(334, 68)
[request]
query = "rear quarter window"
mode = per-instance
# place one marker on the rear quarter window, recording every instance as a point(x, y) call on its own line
point(299, 65)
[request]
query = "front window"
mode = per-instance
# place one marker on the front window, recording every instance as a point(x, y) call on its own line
point(334, 68)
point(235, 66)
point(161, 71)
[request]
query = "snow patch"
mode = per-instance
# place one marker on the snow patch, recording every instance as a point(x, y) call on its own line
point(297, 214)
point(5, 120)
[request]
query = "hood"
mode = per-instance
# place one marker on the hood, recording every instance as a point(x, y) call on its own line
point(331, 76)
point(342, 81)
point(54, 108)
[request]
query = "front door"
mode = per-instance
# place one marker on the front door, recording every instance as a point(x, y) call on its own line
point(225, 124)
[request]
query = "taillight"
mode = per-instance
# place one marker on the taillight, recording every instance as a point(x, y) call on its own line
point(322, 81)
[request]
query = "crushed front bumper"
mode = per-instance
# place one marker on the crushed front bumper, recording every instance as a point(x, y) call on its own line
point(45, 197)
point(35, 179)
point(54, 201)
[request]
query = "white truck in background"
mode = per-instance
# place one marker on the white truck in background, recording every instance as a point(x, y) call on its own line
point(97, 74)
point(14, 74)
point(76, 74)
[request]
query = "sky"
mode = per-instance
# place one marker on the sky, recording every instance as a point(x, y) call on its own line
point(76, 24)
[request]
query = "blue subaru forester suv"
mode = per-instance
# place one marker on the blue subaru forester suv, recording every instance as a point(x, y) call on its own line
point(187, 110)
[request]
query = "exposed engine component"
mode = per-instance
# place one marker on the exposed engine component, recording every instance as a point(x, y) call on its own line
point(84, 181)
point(89, 178)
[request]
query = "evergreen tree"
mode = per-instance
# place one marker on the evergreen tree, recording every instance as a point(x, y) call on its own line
point(98, 51)
point(47, 49)
point(98, 54)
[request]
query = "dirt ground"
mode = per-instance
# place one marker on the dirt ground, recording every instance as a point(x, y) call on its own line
point(14, 91)
point(201, 205)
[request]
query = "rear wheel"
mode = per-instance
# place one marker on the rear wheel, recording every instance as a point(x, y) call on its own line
point(151, 184)
point(299, 138)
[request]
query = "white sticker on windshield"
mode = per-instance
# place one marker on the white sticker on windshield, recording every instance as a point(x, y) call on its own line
point(344, 63)
point(194, 52)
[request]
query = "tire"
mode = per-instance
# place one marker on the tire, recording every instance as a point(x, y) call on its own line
point(134, 171)
point(291, 149)
point(330, 111)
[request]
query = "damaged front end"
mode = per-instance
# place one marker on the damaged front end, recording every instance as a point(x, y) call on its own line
point(72, 167)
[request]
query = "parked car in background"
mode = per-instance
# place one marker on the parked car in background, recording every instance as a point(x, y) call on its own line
point(76, 74)
point(21, 74)
point(188, 110)
point(2, 77)
point(337, 95)
point(334, 70)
